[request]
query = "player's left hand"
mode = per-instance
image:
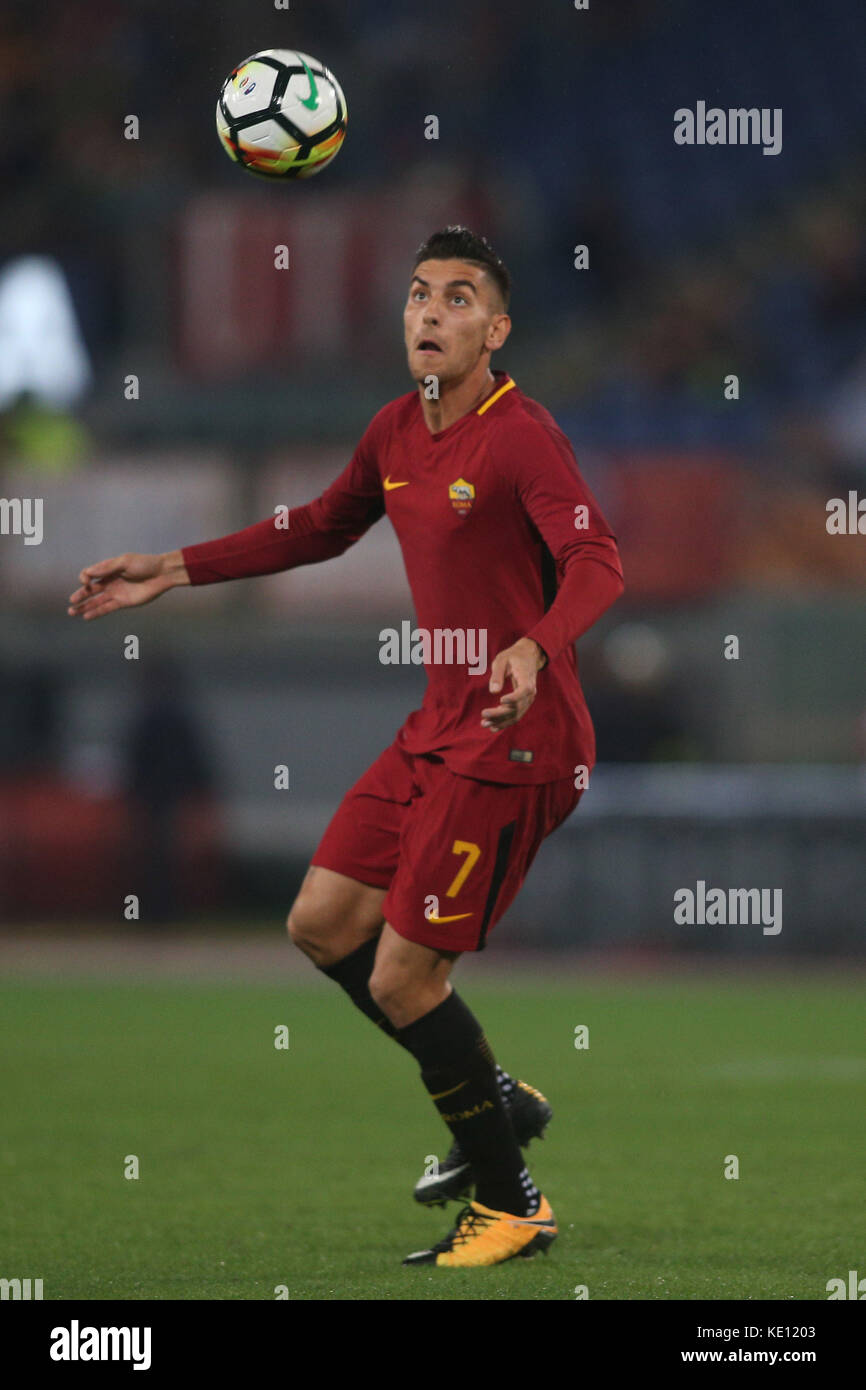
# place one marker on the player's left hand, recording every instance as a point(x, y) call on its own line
point(520, 664)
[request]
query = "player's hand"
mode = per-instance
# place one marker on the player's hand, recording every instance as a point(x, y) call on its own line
point(519, 664)
point(125, 581)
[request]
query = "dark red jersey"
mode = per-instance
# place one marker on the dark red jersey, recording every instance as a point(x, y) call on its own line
point(500, 537)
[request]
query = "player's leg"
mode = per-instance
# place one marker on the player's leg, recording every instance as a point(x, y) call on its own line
point(336, 921)
point(337, 916)
point(411, 986)
point(508, 1216)
point(465, 849)
point(334, 915)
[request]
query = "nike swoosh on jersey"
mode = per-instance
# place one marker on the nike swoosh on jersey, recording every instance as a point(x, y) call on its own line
point(389, 485)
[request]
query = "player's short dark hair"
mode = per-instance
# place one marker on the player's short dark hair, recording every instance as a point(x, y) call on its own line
point(460, 244)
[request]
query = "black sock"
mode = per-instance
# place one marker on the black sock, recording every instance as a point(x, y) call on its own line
point(459, 1072)
point(352, 974)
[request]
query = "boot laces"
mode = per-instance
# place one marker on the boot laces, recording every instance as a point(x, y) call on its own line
point(468, 1222)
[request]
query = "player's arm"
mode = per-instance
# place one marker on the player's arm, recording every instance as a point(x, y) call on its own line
point(566, 515)
point(125, 581)
point(305, 535)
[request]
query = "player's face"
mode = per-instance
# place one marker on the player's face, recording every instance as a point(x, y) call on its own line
point(452, 315)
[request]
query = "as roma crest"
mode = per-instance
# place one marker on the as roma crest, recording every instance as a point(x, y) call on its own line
point(462, 496)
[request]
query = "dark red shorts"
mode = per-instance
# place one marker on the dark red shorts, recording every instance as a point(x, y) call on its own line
point(451, 851)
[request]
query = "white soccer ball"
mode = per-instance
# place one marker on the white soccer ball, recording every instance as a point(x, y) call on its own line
point(281, 114)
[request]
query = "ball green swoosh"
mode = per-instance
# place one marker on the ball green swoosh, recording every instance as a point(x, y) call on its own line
point(312, 101)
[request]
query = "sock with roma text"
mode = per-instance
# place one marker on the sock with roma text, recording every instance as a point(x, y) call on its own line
point(459, 1072)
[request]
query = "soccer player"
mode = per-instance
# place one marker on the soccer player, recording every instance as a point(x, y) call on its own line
point(500, 538)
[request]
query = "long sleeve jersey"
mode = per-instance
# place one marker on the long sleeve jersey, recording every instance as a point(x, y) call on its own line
point(500, 536)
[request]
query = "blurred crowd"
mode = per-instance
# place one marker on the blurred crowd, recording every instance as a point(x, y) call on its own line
point(702, 263)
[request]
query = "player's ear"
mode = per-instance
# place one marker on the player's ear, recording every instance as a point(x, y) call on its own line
point(498, 331)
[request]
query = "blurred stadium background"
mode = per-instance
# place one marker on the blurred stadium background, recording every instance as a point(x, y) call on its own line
point(153, 258)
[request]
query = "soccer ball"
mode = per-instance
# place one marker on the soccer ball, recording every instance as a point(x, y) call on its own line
point(281, 114)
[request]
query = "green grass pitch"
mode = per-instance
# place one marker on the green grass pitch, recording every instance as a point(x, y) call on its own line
point(262, 1167)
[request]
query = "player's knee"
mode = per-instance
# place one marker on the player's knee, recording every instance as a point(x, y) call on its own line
point(306, 927)
point(390, 986)
point(321, 931)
